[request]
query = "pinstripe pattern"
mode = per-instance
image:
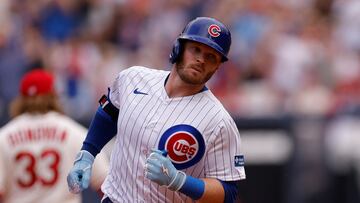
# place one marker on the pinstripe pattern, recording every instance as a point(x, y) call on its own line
point(143, 119)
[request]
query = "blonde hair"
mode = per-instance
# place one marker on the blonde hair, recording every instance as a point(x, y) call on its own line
point(39, 104)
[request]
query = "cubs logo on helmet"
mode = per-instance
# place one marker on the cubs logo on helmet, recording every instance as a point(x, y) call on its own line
point(214, 30)
point(184, 144)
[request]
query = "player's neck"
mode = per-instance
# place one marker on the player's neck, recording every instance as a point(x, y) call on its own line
point(175, 87)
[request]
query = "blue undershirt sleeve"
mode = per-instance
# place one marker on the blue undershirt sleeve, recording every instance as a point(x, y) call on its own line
point(102, 129)
point(231, 190)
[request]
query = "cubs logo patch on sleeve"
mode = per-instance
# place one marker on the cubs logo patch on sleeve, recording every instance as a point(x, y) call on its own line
point(185, 145)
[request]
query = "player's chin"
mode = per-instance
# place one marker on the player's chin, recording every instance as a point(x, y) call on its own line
point(193, 78)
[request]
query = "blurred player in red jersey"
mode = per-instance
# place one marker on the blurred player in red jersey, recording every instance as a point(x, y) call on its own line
point(37, 147)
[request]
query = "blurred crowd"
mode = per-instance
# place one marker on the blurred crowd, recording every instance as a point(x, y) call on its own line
point(298, 57)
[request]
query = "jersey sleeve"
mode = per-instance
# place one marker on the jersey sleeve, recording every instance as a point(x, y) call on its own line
point(119, 85)
point(224, 159)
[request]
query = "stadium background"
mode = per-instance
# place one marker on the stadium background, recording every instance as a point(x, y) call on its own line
point(292, 85)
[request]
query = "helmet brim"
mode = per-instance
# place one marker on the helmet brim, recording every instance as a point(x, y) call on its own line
point(205, 41)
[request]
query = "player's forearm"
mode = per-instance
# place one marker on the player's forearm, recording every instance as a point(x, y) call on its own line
point(102, 129)
point(214, 191)
point(210, 189)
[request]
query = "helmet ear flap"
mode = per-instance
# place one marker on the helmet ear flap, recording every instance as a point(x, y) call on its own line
point(174, 55)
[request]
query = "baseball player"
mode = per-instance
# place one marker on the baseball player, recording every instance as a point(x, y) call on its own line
point(175, 141)
point(37, 147)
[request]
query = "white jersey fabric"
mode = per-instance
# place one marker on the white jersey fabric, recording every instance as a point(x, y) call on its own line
point(200, 136)
point(36, 154)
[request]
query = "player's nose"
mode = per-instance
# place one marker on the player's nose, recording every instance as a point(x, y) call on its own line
point(200, 58)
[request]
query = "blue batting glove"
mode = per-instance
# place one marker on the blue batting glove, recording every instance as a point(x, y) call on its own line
point(159, 169)
point(78, 178)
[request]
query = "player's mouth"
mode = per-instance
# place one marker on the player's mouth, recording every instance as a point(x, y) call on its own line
point(196, 68)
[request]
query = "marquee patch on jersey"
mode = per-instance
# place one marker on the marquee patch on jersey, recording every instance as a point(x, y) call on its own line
point(239, 160)
point(185, 145)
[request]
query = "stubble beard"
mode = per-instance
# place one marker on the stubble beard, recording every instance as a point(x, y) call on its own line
point(190, 78)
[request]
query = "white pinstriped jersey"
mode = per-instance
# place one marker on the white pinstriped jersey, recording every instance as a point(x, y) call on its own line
point(200, 136)
point(36, 154)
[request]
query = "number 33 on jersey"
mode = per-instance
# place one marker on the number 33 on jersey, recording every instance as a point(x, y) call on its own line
point(36, 152)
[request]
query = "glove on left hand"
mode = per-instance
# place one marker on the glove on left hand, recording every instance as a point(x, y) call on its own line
point(159, 169)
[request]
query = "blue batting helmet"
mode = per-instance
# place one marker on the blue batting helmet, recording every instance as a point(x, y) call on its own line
point(208, 31)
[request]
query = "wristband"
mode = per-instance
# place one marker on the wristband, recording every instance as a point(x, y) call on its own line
point(193, 187)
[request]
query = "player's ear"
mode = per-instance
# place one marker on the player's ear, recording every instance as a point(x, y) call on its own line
point(176, 51)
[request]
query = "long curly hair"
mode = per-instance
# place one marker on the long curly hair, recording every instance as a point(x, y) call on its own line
point(38, 104)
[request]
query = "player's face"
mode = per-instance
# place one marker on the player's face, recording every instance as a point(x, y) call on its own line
point(198, 63)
